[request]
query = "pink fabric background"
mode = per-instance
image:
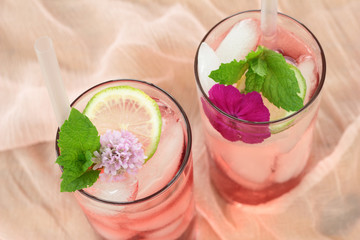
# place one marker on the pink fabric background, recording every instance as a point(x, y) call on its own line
point(156, 41)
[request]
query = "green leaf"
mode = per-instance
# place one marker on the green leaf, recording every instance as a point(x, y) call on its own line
point(254, 82)
point(229, 73)
point(78, 139)
point(78, 133)
point(255, 54)
point(280, 85)
point(66, 158)
point(257, 62)
point(266, 72)
point(258, 66)
point(71, 183)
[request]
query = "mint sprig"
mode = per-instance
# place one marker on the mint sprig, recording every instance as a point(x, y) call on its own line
point(78, 139)
point(266, 72)
point(229, 73)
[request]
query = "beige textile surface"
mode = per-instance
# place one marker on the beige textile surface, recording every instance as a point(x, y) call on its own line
point(156, 41)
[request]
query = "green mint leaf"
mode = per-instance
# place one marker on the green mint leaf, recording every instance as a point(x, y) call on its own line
point(266, 72)
point(229, 73)
point(257, 62)
point(259, 66)
point(255, 54)
point(254, 82)
point(78, 139)
point(88, 157)
point(66, 158)
point(71, 183)
point(280, 86)
point(79, 133)
point(77, 167)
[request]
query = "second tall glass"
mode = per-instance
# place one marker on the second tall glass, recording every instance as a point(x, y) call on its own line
point(255, 162)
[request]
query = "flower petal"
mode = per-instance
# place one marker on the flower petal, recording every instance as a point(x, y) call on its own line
point(226, 98)
point(248, 107)
point(218, 122)
point(252, 108)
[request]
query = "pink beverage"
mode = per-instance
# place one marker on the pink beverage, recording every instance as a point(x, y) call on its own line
point(156, 203)
point(257, 171)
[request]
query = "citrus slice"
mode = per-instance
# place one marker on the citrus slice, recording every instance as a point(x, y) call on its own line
point(127, 108)
point(279, 113)
point(240, 85)
point(301, 81)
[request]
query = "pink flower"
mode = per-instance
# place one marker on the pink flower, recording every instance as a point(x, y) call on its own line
point(249, 107)
point(120, 152)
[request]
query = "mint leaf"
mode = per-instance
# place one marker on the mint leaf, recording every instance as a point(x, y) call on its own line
point(259, 66)
point(229, 73)
point(255, 54)
point(87, 179)
point(280, 87)
point(79, 133)
point(76, 162)
point(78, 139)
point(266, 72)
point(257, 62)
point(254, 82)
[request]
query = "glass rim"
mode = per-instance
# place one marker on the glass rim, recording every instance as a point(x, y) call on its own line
point(185, 156)
point(312, 99)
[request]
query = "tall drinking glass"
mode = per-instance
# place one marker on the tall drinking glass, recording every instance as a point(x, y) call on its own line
point(164, 205)
point(255, 162)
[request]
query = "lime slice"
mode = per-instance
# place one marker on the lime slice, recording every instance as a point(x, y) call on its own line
point(301, 81)
point(127, 108)
point(240, 85)
point(279, 113)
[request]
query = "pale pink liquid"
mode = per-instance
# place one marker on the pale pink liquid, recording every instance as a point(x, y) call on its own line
point(170, 214)
point(257, 173)
point(171, 217)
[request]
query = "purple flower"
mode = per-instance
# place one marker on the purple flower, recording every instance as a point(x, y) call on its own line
point(120, 152)
point(248, 107)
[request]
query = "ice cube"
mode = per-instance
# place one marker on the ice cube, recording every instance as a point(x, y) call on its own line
point(290, 164)
point(175, 228)
point(112, 230)
point(207, 62)
point(164, 202)
point(308, 70)
point(124, 190)
point(164, 232)
point(170, 209)
point(242, 38)
point(249, 169)
point(161, 168)
point(116, 191)
point(254, 164)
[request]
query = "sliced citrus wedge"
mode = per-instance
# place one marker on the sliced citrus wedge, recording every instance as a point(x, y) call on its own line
point(127, 108)
point(301, 81)
point(279, 113)
point(240, 85)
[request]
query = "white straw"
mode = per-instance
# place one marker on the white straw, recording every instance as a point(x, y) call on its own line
point(51, 73)
point(268, 18)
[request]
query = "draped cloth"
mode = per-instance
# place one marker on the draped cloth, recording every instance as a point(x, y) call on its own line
point(156, 41)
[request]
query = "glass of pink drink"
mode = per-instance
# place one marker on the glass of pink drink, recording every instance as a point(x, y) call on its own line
point(275, 158)
point(158, 202)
